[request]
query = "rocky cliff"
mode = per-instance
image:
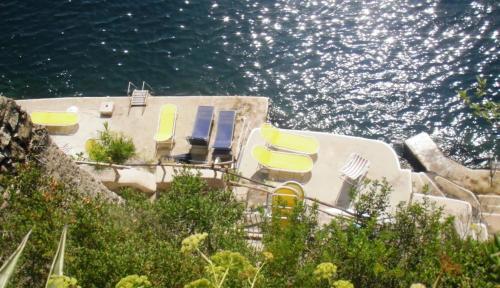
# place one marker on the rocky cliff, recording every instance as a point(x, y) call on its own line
point(22, 141)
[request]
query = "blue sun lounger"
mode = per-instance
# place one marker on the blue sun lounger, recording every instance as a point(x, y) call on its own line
point(225, 131)
point(202, 126)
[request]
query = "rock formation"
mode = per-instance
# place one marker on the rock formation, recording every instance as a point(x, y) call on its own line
point(21, 140)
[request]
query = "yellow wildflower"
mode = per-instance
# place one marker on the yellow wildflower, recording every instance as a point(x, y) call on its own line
point(325, 271)
point(342, 284)
point(200, 283)
point(417, 285)
point(191, 243)
point(268, 256)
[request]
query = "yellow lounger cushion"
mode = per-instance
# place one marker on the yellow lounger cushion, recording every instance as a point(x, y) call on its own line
point(285, 197)
point(54, 118)
point(297, 186)
point(166, 124)
point(282, 161)
point(289, 141)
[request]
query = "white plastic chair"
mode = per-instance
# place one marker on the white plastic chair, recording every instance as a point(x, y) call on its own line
point(355, 168)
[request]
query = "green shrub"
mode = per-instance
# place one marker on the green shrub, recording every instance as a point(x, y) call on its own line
point(414, 246)
point(111, 147)
point(106, 241)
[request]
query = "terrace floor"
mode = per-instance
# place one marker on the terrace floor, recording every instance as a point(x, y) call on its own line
point(141, 123)
point(324, 182)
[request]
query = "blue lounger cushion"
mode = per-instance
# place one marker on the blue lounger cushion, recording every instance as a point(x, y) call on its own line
point(202, 126)
point(225, 131)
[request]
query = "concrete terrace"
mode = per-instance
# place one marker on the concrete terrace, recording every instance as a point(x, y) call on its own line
point(324, 181)
point(141, 123)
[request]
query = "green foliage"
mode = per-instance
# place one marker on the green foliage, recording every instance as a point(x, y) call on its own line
point(371, 199)
point(61, 281)
point(484, 108)
point(111, 147)
point(493, 251)
point(107, 241)
point(413, 246)
point(134, 281)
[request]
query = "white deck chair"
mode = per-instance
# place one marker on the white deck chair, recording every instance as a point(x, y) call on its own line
point(355, 168)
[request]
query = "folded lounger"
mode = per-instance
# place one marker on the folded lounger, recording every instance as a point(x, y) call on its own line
point(289, 141)
point(54, 119)
point(225, 131)
point(166, 125)
point(202, 126)
point(282, 161)
point(283, 199)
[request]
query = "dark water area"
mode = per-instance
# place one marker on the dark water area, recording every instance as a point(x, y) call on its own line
point(378, 69)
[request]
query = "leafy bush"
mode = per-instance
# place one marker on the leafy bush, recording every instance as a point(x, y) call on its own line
point(111, 147)
point(484, 108)
point(415, 246)
point(106, 241)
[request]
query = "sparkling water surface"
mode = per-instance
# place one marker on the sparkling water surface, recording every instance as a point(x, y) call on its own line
point(379, 69)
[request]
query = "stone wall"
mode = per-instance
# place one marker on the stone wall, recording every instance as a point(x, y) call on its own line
point(21, 141)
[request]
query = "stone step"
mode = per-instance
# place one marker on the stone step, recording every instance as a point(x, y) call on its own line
point(490, 208)
point(489, 203)
point(453, 190)
point(489, 199)
point(492, 220)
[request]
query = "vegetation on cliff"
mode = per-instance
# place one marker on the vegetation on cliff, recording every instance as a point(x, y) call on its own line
point(107, 242)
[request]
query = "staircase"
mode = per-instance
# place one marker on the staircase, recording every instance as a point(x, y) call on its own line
point(138, 97)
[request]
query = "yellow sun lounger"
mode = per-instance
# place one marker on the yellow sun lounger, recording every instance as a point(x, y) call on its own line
point(281, 202)
point(289, 141)
point(166, 125)
point(284, 198)
point(54, 119)
point(282, 161)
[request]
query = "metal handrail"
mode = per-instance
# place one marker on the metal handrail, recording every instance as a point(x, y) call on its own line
point(144, 83)
point(128, 87)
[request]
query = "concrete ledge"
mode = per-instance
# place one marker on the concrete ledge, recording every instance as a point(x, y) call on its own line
point(433, 160)
point(165, 175)
point(135, 178)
